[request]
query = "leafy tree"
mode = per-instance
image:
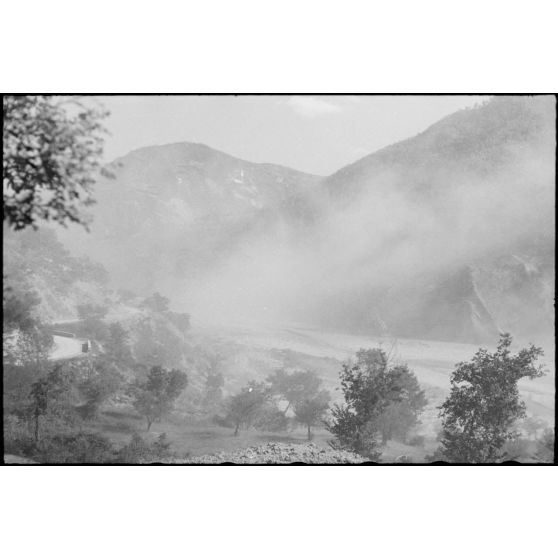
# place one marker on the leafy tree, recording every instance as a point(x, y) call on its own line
point(100, 382)
point(369, 386)
point(310, 411)
point(245, 407)
point(271, 419)
point(479, 414)
point(401, 416)
point(155, 397)
point(49, 395)
point(52, 148)
point(30, 347)
point(19, 309)
point(294, 387)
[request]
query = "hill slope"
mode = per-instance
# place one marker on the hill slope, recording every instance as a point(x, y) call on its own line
point(447, 235)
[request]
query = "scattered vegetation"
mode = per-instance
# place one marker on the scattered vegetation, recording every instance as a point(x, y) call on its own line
point(479, 416)
point(375, 393)
point(155, 397)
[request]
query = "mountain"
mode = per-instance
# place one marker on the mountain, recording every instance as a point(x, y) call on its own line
point(175, 212)
point(446, 235)
point(473, 197)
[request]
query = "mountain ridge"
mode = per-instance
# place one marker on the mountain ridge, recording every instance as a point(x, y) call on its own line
point(220, 232)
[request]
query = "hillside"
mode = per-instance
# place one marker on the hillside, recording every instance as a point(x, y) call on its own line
point(446, 235)
point(36, 261)
point(176, 212)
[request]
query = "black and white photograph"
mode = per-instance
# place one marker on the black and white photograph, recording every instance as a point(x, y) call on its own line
point(278, 279)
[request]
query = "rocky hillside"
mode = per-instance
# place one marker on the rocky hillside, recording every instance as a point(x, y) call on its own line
point(175, 212)
point(36, 261)
point(447, 235)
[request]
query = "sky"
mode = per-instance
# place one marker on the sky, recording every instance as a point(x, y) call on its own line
point(314, 134)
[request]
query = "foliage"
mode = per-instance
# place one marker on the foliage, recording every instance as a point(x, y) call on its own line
point(479, 414)
point(155, 397)
point(30, 347)
point(101, 381)
point(271, 419)
point(400, 417)
point(80, 447)
point(50, 396)
point(370, 386)
point(244, 408)
point(311, 411)
point(52, 148)
point(19, 309)
point(140, 451)
point(294, 387)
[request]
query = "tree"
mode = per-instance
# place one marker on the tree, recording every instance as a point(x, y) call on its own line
point(19, 309)
point(310, 411)
point(49, 395)
point(479, 414)
point(155, 397)
point(369, 386)
point(52, 149)
point(244, 408)
point(401, 416)
point(32, 347)
point(102, 379)
point(294, 387)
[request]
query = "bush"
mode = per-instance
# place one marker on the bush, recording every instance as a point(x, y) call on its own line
point(271, 419)
point(75, 448)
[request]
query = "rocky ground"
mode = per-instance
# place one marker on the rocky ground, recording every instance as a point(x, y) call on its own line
point(276, 453)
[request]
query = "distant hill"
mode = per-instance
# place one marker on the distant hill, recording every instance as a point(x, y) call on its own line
point(175, 212)
point(446, 235)
point(478, 188)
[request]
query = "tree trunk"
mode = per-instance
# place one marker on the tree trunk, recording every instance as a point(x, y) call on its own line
point(236, 429)
point(309, 433)
point(149, 423)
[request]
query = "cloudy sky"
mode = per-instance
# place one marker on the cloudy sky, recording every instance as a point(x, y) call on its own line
point(316, 134)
